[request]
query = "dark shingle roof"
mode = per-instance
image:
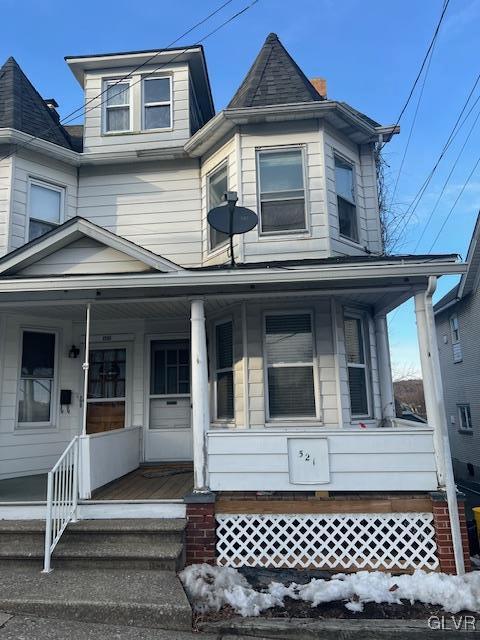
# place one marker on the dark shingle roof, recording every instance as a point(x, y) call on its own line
point(22, 108)
point(451, 296)
point(274, 78)
point(75, 133)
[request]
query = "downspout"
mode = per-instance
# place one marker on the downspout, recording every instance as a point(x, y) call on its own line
point(449, 480)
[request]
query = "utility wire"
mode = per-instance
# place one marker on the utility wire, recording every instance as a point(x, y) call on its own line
point(181, 52)
point(455, 203)
point(419, 195)
point(447, 179)
point(430, 47)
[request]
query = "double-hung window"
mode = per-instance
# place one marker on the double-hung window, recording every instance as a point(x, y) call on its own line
point(289, 365)
point(37, 374)
point(347, 209)
point(282, 190)
point(157, 103)
point(465, 417)
point(45, 208)
point(224, 371)
point(357, 365)
point(455, 333)
point(117, 106)
point(217, 184)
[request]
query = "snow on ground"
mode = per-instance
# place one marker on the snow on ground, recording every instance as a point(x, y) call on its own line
point(210, 588)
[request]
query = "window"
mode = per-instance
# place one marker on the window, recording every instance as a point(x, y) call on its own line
point(289, 364)
point(217, 185)
point(45, 204)
point(282, 191)
point(157, 103)
point(455, 332)
point(357, 365)
point(36, 384)
point(347, 210)
point(170, 368)
point(464, 417)
point(117, 106)
point(224, 370)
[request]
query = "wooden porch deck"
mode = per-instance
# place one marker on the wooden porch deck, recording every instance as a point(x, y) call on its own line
point(166, 481)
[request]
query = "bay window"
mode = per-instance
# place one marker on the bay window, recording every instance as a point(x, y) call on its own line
point(289, 357)
point(157, 103)
point(224, 371)
point(117, 106)
point(347, 209)
point(355, 346)
point(45, 208)
point(282, 190)
point(217, 185)
point(37, 375)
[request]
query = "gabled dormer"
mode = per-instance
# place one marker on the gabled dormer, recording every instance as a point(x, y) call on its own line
point(143, 101)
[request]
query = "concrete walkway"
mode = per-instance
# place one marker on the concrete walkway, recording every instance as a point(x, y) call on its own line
point(14, 627)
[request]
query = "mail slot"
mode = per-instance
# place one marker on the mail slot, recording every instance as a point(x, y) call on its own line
point(171, 402)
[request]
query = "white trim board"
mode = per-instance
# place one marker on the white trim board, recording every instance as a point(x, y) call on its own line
point(99, 510)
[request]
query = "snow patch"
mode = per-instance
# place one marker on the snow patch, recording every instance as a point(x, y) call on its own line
point(210, 588)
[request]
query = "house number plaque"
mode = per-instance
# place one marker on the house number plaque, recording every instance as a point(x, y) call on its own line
point(308, 460)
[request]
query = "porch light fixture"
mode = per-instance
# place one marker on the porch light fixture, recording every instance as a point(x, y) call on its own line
point(74, 352)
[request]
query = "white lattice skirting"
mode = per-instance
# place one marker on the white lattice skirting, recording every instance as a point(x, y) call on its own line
point(401, 541)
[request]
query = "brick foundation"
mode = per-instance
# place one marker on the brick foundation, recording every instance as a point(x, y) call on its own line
point(200, 539)
point(443, 534)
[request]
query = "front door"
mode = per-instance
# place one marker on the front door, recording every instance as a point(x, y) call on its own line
point(169, 432)
point(106, 389)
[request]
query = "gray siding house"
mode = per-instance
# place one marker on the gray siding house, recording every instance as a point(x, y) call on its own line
point(457, 319)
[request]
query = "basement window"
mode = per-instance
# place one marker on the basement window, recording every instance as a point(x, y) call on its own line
point(282, 191)
point(45, 208)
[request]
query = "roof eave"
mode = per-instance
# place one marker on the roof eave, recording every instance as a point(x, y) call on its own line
point(15, 137)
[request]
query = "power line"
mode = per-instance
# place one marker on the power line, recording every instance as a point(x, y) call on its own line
point(430, 47)
point(455, 203)
point(448, 179)
point(419, 195)
point(181, 52)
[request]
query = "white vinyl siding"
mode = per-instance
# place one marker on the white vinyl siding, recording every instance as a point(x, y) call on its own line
point(157, 103)
point(281, 178)
point(45, 208)
point(289, 365)
point(224, 376)
point(6, 192)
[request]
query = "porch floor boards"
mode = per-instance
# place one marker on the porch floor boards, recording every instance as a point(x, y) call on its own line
point(166, 481)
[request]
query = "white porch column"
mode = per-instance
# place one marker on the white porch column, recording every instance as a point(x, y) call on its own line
point(200, 405)
point(384, 368)
point(85, 367)
point(434, 402)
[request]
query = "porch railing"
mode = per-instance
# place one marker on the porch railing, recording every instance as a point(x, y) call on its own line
point(62, 499)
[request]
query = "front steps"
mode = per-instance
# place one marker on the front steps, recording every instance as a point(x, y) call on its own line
point(121, 544)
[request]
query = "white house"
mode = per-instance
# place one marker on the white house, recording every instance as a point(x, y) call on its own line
point(125, 331)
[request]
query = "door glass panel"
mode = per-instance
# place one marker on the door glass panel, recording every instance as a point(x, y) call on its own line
point(106, 390)
point(170, 368)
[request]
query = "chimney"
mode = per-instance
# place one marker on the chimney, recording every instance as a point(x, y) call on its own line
point(320, 85)
point(52, 104)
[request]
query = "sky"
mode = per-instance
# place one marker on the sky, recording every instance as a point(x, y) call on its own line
point(369, 51)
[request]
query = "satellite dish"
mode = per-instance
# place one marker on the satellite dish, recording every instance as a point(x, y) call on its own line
point(232, 220)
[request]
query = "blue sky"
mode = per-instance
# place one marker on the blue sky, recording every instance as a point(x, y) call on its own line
point(368, 50)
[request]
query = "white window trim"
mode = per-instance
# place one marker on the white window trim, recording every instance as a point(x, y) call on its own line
point(106, 82)
point(358, 315)
point(211, 251)
point(352, 163)
point(216, 371)
point(53, 423)
point(461, 428)
point(299, 233)
point(291, 420)
point(156, 104)
point(39, 182)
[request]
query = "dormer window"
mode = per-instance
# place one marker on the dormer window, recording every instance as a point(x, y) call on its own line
point(117, 107)
point(347, 208)
point(157, 103)
point(282, 190)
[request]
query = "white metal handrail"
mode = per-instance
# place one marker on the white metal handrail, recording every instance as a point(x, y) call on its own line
point(62, 499)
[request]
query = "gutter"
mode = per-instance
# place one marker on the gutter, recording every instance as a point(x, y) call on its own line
point(12, 136)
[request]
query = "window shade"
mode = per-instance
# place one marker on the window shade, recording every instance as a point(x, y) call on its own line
point(38, 354)
point(224, 345)
point(291, 392)
point(44, 203)
point(289, 338)
point(224, 370)
point(354, 341)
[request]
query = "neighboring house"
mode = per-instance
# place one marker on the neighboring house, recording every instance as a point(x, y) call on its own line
point(457, 317)
point(123, 323)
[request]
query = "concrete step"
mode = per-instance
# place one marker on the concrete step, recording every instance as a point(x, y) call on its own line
point(143, 544)
point(152, 599)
